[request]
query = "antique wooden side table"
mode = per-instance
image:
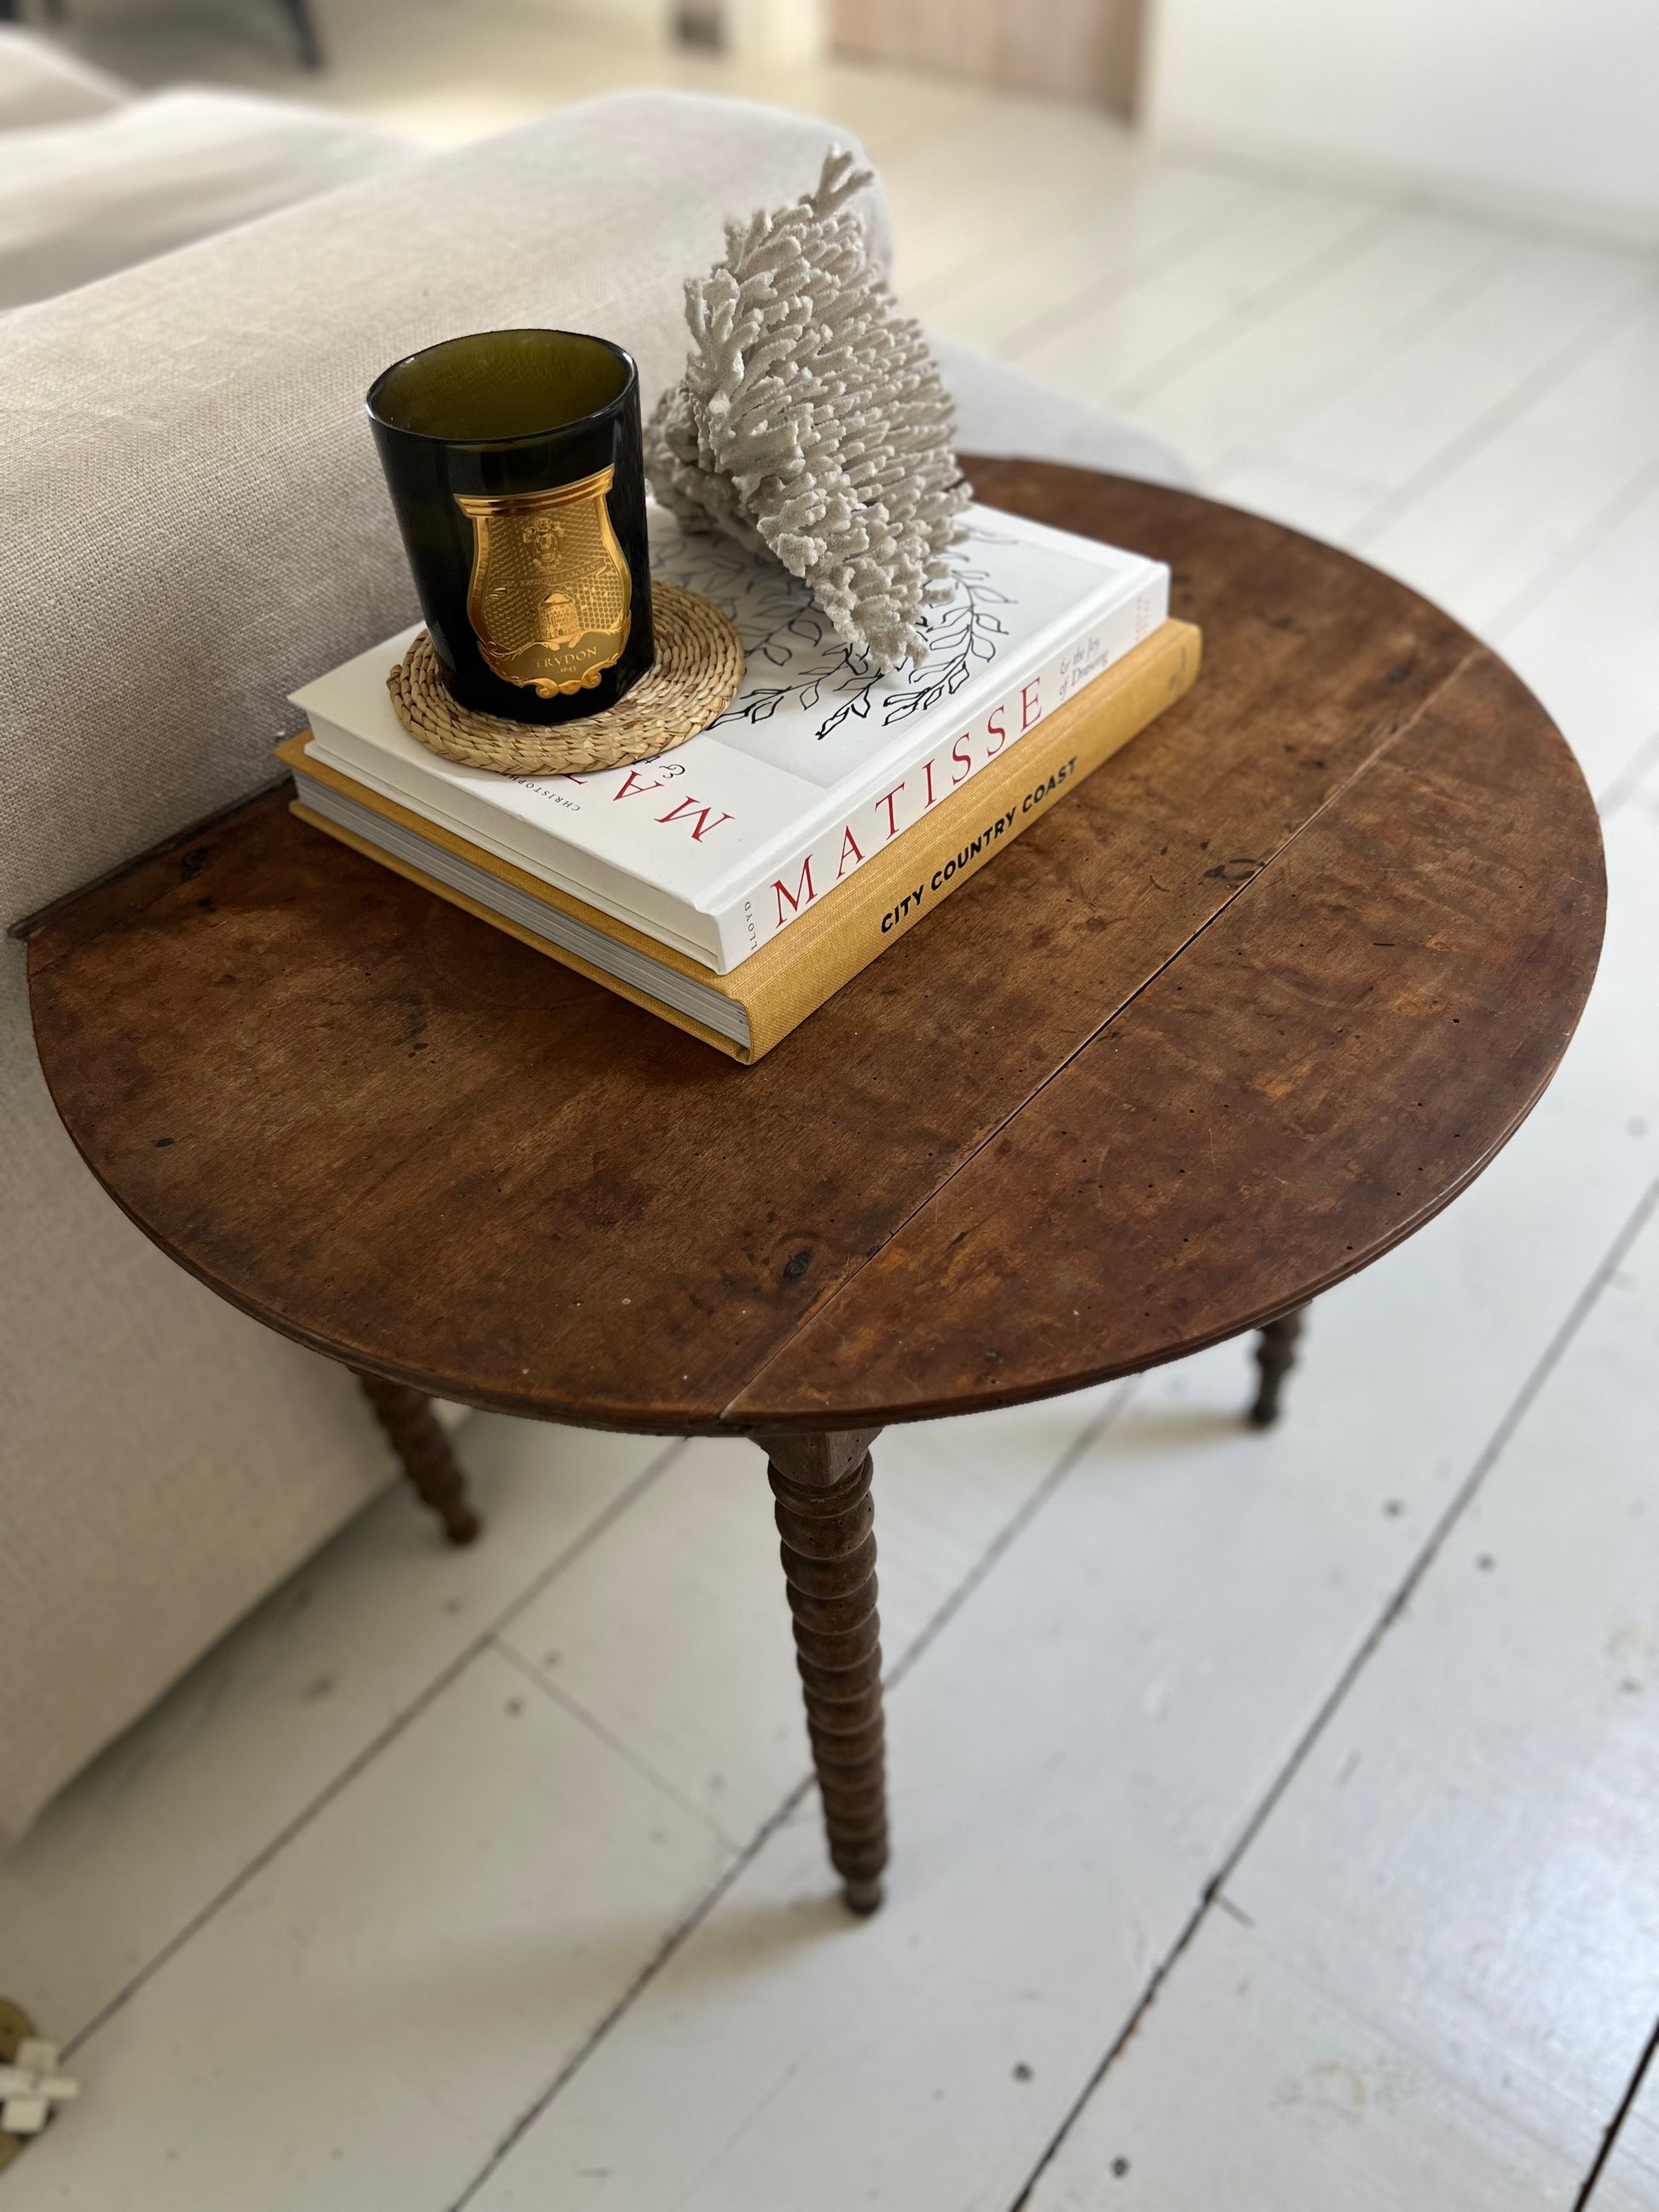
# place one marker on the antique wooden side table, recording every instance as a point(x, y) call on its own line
point(1270, 989)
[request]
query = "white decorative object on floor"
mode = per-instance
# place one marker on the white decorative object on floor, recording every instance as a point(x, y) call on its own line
point(31, 2086)
point(811, 421)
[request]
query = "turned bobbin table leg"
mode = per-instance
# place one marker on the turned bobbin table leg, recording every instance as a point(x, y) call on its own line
point(826, 1519)
point(419, 1441)
point(1275, 1355)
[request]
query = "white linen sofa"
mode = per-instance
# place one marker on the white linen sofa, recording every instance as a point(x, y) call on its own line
point(96, 176)
point(197, 524)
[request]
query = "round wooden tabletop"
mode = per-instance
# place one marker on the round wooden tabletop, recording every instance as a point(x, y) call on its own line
point(1247, 1009)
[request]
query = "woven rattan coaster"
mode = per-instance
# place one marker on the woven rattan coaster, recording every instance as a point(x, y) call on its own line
point(695, 677)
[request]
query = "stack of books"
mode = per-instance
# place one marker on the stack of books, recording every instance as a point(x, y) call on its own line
point(732, 884)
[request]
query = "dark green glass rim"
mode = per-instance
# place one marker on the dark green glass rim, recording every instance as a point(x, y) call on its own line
point(577, 422)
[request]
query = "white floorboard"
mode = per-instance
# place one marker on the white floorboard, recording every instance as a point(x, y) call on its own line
point(370, 2009)
point(1069, 1759)
point(675, 1636)
point(1488, 535)
point(1530, 316)
point(1403, 278)
point(1043, 270)
point(1272, 240)
point(1246, 2085)
point(679, 1670)
point(1587, 646)
point(452, 1879)
point(1445, 1961)
point(278, 1712)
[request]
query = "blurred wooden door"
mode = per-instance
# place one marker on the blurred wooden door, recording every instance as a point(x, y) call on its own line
point(1087, 50)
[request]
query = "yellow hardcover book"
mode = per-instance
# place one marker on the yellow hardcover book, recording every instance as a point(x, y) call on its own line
point(745, 1013)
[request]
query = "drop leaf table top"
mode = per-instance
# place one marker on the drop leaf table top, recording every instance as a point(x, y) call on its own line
point(1266, 993)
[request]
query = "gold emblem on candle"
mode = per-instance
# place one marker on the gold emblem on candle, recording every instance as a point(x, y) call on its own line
point(549, 601)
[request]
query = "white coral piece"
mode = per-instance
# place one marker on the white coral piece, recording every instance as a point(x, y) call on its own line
point(811, 421)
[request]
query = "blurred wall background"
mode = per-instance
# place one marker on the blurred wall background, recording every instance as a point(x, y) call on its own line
point(1549, 106)
point(1081, 50)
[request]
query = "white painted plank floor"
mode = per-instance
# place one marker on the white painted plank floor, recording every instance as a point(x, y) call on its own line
point(1273, 1814)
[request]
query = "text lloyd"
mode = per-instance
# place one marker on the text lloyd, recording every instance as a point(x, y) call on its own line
point(981, 846)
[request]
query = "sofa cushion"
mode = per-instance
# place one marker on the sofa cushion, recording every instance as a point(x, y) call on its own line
point(164, 1460)
point(81, 200)
point(198, 521)
point(1001, 411)
point(39, 82)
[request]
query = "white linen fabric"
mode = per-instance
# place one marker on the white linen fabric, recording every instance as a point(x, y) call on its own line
point(1001, 411)
point(39, 82)
point(82, 199)
point(163, 1459)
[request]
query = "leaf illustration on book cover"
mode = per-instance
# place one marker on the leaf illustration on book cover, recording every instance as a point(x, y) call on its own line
point(967, 632)
point(782, 629)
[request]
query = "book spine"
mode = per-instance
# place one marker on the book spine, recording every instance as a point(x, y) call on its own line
point(782, 896)
point(904, 886)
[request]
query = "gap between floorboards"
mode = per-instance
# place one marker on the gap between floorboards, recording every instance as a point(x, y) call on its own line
point(1551, 1357)
point(367, 1753)
point(1087, 1437)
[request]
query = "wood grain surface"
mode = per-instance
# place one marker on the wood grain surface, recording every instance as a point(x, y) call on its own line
point(1261, 997)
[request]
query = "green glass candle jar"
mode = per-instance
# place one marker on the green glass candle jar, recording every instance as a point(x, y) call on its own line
point(515, 470)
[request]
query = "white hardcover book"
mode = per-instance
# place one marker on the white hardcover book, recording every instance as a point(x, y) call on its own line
point(820, 761)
